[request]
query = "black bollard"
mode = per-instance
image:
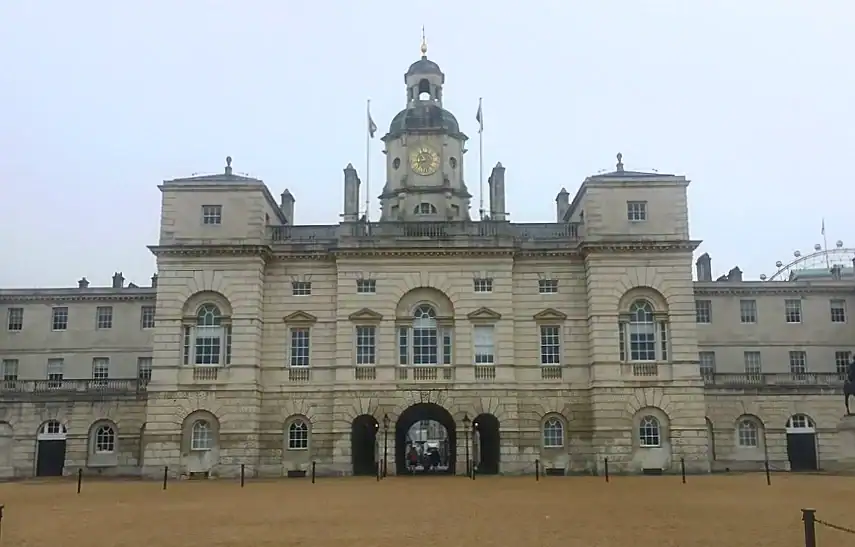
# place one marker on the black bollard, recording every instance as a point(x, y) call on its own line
point(768, 476)
point(242, 474)
point(79, 479)
point(1, 519)
point(378, 471)
point(683, 469)
point(809, 518)
point(313, 472)
point(606, 468)
point(165, 475)
point(473, 470)
point(537, 470)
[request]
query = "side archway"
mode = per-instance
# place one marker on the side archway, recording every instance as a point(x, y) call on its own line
point(50, 449)
point(801, 443)
point(200, 442)
point(363, 444)
point(424, 412)
point(485, 428)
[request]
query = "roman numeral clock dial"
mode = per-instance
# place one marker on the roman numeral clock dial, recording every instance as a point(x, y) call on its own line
point(424, 161)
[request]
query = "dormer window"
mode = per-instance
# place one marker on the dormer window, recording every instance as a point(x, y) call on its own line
point(425, 209)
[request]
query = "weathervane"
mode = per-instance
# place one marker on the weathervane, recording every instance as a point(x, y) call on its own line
point(424, 43)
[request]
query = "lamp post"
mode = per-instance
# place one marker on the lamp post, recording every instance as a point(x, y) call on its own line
point(376, 451)
point(385, 443)
point(472, 432)
point(466, 423)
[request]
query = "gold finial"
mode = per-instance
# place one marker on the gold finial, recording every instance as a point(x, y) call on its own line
point(424, 43)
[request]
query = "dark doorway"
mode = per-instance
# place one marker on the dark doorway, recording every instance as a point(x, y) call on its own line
point(363, 442)
point(51, 458)
point(487, 427)
point(425, 412)
point(801, 451)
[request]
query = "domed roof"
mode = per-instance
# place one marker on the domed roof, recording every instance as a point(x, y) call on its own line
point(424, 116)
point(424, 66)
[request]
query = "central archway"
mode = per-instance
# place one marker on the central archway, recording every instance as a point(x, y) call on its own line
point(425, 412)
point(489, 447)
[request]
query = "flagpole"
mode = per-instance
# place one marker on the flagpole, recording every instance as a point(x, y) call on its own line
point(368, 161)
point(481, 159)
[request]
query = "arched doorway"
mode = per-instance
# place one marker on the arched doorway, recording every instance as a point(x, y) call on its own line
point(430, 430)
point(485, 428)
point(801, 443)
point(363, 443)
point(50, 449)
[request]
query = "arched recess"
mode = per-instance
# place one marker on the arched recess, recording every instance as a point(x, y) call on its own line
point(750, 435)
point(656, 299)
point(408, 303)
point(651, 440)
point(50, 449)
point(485, 428)
point(193, 304)
point(7, 442)
point(424, 412)
point(207, 330)
point(363, 444)
point(801, 443)
point(425, 331)
point(103, 444)
point(553, 432)
point(200, 442)
point(643, 330)
point(710, 439)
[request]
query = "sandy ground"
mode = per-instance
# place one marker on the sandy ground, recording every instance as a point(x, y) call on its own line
point(731, 511)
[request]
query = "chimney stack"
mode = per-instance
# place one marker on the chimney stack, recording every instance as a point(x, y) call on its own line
point(83, 283)
point(351, 194)
point(497, 193)
point(118, 280)
point(735, 274)
point(286, 205)
point(562, 204)
point(703, 266)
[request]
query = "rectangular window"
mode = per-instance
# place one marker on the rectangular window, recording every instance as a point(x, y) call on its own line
point(485, 345)
point(299, 347)
point(403, 345)
point(425, 346)
point(301, 288)
point(366, 345)
point(147, 317)
point(636, 211)
point(793, 311)
point(482, 284)
point(144, 369)
point(212, 214)
point(798, 365)
point(104, 317)
point(703, 311)
point(550, 345)
point(838, 311)
point(547, 286)
point(100, 369)
point(59, 318)
point(15, 319)
point(748, 311)
point(707, 361)
point(10, 371)
point(55, 372)
point(366, 286)
point(841, 361)
point(753, 366)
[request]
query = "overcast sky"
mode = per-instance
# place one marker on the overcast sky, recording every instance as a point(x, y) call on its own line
point(752, 101)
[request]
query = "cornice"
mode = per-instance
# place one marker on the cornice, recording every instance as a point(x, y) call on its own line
point(432, 253)
point(82, 297)
point(770, 288)
point(642, 246)
point(210, 250)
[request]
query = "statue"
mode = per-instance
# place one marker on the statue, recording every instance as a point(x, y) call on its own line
point(849, 385)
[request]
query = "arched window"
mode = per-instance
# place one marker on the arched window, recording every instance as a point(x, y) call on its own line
point(298, 435)
point(801, 422)
point(647, 334)
point(201, 436)
point(105, 439)
point(747, 433)
point(648, 432)
point(553, 433)
point(52, 429)
point(209, 339)
point(425, 209)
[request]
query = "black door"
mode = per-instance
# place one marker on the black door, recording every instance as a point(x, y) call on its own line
point(51, 458)
point(363, 438)
point(801, 451)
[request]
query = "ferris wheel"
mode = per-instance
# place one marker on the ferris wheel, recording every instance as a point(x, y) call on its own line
point(822, 258)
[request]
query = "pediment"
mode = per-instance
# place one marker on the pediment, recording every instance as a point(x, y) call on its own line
point(365, 314)
point(484, 314)
point(300, 317)
point(550, 314)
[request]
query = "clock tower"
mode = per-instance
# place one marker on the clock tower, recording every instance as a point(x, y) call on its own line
point(424, 153)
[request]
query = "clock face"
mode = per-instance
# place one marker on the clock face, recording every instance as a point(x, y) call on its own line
point(424, 161)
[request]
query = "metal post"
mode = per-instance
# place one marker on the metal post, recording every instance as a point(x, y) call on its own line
point(385, 448)
point(809, 518)
point(79, 479)
point(242, 474)
point(468, 462)
point(1, 519)
point(313, 471)
point(768, 476)
point(165, 475)
point(537, 470)
point(683, 469)
point(606, 465)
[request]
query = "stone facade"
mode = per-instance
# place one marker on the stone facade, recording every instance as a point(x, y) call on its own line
point(568, 342)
